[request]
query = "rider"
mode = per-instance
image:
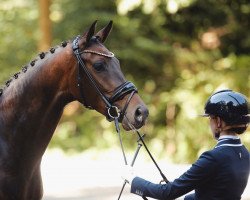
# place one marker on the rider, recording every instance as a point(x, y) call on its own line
point(219, 174)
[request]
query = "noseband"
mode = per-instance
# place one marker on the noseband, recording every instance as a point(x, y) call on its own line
point(119, 93)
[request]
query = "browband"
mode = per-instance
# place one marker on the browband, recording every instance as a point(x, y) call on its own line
point(111, 55)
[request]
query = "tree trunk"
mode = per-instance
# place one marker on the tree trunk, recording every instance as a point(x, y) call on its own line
point(45, 25)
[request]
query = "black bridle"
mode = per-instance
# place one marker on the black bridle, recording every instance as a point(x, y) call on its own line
point(119, 93)
point(113, 113)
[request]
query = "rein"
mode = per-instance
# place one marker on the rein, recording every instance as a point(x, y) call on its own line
point(164, 178)
point(140, 142)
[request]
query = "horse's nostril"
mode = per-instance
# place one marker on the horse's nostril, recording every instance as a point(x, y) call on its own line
point(141, 114)
point(138, 115)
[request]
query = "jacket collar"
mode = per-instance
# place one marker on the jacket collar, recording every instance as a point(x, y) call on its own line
point(228, 140)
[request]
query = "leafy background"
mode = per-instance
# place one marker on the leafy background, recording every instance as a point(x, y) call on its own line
point(177, 52)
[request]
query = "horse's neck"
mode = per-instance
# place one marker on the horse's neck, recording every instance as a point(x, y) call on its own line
point(32, 105)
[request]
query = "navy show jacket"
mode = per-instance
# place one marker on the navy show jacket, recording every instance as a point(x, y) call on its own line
point(219, 174)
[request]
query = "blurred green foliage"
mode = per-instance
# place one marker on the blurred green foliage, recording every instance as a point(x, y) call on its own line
point(176, 52)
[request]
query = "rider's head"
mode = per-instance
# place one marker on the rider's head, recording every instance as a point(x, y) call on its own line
point(231, 107)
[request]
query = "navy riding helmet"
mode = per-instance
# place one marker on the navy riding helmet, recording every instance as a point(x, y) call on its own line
point(231, 106)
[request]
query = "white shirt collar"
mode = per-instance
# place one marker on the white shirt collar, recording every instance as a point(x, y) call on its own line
point(228, 137)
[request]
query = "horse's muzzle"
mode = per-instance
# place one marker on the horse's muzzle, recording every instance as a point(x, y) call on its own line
point(135, 118)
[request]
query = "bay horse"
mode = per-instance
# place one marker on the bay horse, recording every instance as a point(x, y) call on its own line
point(32, 102)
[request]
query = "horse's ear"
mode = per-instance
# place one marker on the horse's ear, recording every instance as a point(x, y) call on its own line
point(88, 35)
point(103, 33)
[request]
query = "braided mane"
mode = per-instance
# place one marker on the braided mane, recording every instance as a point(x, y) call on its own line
point(32, 63)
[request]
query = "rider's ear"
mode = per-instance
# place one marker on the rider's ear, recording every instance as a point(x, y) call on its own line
point(219, 122)
point(89, 34)
point(103, 33)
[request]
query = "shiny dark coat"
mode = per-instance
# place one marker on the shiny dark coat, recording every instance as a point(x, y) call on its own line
point(32, 103)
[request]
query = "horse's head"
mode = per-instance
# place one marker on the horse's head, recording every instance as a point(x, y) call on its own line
point(101, 84)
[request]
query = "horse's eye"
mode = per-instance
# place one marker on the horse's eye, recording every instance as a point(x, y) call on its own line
point(99, 66)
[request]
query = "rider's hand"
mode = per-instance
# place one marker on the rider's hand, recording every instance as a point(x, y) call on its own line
point(128, 174)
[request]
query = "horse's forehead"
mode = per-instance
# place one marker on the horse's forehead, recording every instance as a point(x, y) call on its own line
point(99, 47)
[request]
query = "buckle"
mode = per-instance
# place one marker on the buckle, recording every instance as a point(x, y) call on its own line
point(113, 112)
